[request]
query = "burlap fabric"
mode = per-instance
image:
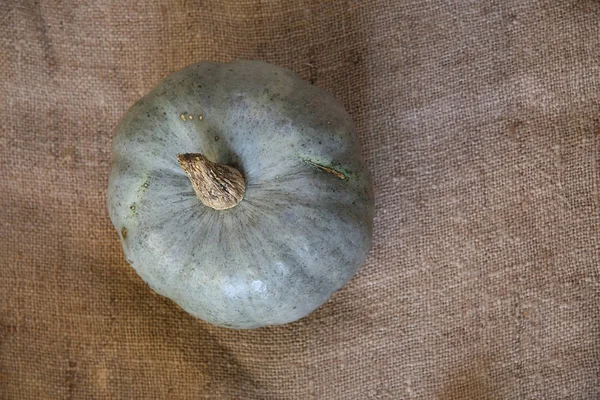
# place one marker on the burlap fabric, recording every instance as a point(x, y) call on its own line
point(480, 121)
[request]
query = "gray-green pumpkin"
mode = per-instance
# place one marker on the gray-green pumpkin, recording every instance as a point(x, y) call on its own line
point(239, 191)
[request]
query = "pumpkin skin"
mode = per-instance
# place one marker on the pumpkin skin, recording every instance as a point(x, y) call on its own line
point(304, 225)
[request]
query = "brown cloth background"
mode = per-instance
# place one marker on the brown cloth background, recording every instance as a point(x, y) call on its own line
point(480, 122)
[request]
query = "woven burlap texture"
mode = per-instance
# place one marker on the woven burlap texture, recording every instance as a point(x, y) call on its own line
point(480, 122)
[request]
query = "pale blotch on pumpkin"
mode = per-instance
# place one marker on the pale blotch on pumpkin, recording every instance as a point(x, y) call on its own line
point(259, 286)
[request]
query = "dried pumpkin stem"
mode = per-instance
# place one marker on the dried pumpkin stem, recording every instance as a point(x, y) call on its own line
point(217, 186)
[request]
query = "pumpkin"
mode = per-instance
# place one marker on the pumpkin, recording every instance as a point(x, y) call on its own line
point(239, 191)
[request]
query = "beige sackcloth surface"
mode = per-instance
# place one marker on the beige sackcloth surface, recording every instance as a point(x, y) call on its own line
point(480, 122)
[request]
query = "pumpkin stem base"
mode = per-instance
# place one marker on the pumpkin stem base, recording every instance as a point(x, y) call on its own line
point(217, 186)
